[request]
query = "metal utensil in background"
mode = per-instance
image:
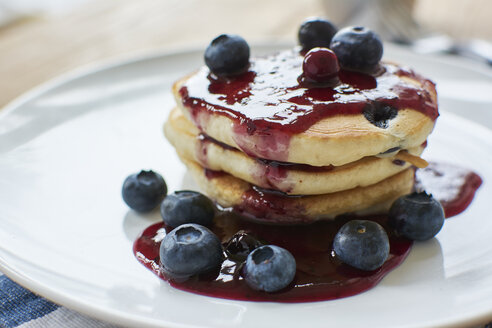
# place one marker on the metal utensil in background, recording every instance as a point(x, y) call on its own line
point(393, 21)
point(474, 48)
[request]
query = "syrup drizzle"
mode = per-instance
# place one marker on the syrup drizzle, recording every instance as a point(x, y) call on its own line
point(452, 185)
point(204, 140)
point(320, 275)
point(271, 206)
point(268, 105)
point(272, 174)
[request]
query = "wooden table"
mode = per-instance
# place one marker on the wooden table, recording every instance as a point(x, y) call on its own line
point(40, 49)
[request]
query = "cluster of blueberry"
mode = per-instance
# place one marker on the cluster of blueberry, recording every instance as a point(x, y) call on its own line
point(192, 249)
point(365, 245)
point(326, 49)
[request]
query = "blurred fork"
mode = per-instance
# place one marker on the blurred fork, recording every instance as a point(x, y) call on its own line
point(401, 27)
point(393, 20)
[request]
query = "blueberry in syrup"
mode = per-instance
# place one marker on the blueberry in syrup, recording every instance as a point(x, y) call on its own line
point(379, 114)
point(357, 48)
point(269, 268)
point(316, 32)
point(189, 250)
point(362, 244)
point(143, 191)
point(187, 206)
point(320, 65)
point(240, 245)
point(227, 55)
point(417, 216)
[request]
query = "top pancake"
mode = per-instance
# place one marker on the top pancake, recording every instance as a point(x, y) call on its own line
point(266, 113)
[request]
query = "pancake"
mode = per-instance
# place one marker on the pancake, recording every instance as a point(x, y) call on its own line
point(275, 207)
point(267, 114)
point(291, 179)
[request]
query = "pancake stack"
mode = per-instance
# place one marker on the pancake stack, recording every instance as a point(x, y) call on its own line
point(276, 150)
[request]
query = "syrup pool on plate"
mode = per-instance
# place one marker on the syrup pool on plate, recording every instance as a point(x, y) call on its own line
point(320, 275)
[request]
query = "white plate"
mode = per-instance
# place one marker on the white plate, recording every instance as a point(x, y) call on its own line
point(66, 234)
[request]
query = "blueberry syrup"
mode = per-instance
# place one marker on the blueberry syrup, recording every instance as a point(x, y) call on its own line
point(204, 140)
point(271, 206)
point(268, 105)
point(273, 173)
point(269, 174)
point(452, 185)
point(320, 275)
point(201, 149)
point(211, 174)
point(294, 166)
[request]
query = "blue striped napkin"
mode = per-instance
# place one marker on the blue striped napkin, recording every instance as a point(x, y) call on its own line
point(23, 309)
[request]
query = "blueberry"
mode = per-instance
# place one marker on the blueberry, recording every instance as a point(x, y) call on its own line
point(362, 244)
point(357, 48)
point(227, 55)
point(144, 191)
point(189, 250)
point(240, 245)
point(187, 206)
point(379, 114)
point(320, 65)
point(417, 216)
point(269, 268)
point(316, 32)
